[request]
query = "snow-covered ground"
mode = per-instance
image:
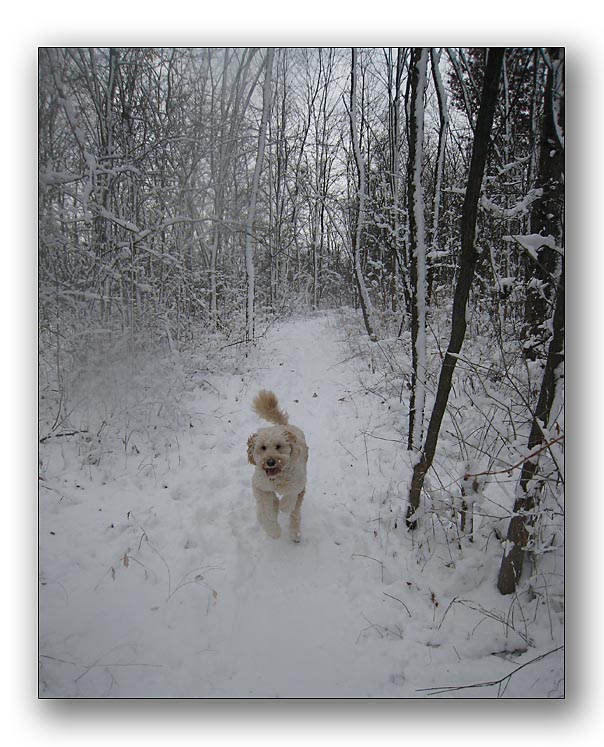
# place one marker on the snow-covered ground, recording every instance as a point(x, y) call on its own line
point(156, 580)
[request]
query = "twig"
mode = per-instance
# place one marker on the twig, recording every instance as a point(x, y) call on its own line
point(492, 683)
point(398, 600)
point(366, 454)
point(491, 615)
point(232, 344)
point(375, 560)
point(347, 450)
point(62, 661)
point(519, 464)
point(60, 435)
point(371, 625)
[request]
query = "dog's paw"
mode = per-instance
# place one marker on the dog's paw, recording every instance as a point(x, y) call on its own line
point(294, 535)
point(273, 530)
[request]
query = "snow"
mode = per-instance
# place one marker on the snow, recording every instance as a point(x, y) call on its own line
point(156, 581)
point(520, 208)
point(532, 242)
point(118, 221)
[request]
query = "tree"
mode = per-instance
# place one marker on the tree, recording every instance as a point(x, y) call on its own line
point(417, 239)
point(468, 259)
point(249, 256)
point(546, 213)
point(548, 219)
point(519, 535)
point(394, 237)
point(443, 117)
point(357, 236)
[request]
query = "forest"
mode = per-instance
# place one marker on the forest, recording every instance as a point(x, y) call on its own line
point(192, 202)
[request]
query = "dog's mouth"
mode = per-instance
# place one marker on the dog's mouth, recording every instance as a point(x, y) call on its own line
point(272, 471)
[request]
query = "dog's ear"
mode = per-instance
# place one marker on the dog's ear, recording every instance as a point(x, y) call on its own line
point(251, 443)
point(291, 438)
point(298, 446)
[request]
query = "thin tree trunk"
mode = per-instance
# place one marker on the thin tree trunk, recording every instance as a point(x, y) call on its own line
point(395, 76)
point(546, 213)
point(441, 95)
point(523, 518)
point(219, 193)
point(249, 253)
point(548, 219)
point(468, 259)
point(417, 237)
point(364, 299)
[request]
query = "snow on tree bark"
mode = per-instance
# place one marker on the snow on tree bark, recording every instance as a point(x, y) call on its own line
point(417, 236)
point(441, 95)
point(361, 194)
point(548, 219)
point(547, 213)
point(468, 260)
point(519, 533)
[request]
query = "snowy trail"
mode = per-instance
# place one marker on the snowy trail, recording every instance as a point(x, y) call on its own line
point(159, 582)
point(294, 620)
point(156, 580)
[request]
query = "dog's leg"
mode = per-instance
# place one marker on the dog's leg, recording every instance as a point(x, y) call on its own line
point(287, 503)
point(267, 510)
point(294, 519)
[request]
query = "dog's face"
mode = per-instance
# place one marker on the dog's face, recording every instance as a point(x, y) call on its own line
point(271, 449)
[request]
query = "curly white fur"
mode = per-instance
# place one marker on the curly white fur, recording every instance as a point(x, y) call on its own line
point(279, 454)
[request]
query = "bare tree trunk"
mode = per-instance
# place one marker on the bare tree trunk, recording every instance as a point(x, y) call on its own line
point(527, 493)
point(441, 95)
point(546, 213)
point(364, 299)
point(219, 193)
point(395, 77)
point(249, 253)
point(417, 238)
point(468, 259)
point(547, 218)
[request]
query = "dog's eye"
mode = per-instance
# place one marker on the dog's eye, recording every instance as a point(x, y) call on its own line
point(263, 447)
point(278, 446)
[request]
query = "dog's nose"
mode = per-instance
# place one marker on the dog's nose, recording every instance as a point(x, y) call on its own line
point(270, 462)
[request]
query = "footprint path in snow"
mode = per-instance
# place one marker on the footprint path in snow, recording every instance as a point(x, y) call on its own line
point(156, 581)
point(288, 616)
point(160, 583)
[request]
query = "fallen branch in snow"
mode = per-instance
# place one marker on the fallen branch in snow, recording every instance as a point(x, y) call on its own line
point(453, 688)
point(507, 470)
point(244, 341)
point(491, 614)
point(61, 661)
point(60, 435)
point(381, 630)
point(98, 663)
point(396, 599)
point(358, 555)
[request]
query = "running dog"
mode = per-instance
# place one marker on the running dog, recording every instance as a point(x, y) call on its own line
point(279, 454)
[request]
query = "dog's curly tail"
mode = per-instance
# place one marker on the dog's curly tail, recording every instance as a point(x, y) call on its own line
point(267, 407)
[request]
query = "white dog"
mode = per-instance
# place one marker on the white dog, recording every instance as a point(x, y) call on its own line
point(279, 454)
